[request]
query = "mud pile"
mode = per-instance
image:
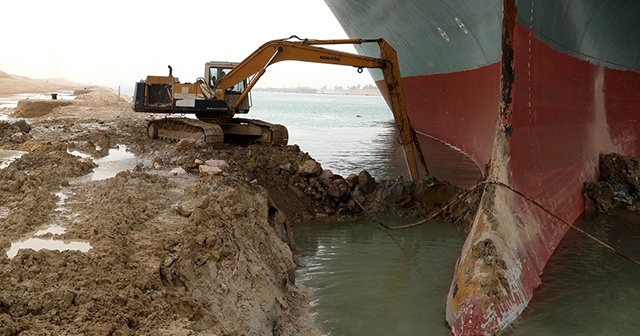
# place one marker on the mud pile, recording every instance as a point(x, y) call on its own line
point(619, 185)
point(30, 108)
point(172, 255)
point(175, 249)
point(304, 190)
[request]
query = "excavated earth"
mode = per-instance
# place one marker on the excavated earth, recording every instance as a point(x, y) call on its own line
point(618, 187)
point(190, 241)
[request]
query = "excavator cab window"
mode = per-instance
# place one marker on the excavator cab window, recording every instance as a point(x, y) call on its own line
point(213, 76)
point(216, 73)
point(238, 88)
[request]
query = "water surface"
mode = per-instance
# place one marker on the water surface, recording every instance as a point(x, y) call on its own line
point(371, 281)
point(368, 281)
point(344, 133)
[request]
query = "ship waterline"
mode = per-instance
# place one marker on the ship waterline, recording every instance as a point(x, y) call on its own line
point(527, 96)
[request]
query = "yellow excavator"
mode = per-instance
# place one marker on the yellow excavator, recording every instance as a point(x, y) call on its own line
point(225, 91)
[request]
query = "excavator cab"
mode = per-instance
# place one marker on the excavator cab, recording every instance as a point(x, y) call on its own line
point(216, 70)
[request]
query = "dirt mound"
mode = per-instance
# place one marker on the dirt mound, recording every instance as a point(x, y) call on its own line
point(31, 108)
point(619, 185)
point(174, 250)
point(220, 268)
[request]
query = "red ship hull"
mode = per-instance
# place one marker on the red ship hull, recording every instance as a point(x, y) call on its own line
point(564, 88)
point(558, 114)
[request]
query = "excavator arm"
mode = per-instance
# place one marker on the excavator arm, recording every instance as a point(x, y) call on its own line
point(254, 66)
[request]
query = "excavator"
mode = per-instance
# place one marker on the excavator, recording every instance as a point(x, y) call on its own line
point(224, 91)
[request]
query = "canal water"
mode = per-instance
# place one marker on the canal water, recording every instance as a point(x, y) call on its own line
point(370, 281)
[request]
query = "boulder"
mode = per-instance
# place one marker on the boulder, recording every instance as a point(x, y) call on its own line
point(309, 168)
point(186, 144)
point(222, 164)
point(208, 170)
point(326, 174)
point(352, 180)
point(21, 124)
point(338, 188)
point(366, 182)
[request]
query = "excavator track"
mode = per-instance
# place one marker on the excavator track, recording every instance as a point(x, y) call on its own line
point(237, 130)
point(271, 134)
point(185, 128)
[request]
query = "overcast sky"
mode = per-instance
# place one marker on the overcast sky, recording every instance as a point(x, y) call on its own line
point(116, 43)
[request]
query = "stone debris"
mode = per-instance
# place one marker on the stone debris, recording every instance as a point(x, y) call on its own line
point(618, 187)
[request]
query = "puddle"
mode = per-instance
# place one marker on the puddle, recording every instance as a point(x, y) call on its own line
point(52, 229)
point(11, 102)
point(8, 156)
point(109, 166)
point(7, 103)
point(79, 154)
point(38, 244)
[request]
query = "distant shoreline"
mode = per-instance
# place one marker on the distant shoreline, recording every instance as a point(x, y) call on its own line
point(350, 91)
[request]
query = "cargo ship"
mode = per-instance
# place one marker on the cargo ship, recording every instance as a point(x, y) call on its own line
point(523, 95)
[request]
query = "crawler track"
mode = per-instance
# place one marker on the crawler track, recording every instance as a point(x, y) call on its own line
point(185, 128)
point(215, 133)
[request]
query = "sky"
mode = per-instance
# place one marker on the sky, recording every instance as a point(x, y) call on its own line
point(117, 43)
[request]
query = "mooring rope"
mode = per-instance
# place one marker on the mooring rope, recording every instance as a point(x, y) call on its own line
point(529, 199)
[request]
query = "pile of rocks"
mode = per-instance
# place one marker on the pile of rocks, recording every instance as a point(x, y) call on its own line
point(619, 185)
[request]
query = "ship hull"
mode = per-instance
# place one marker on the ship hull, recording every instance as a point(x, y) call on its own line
point(554, 86)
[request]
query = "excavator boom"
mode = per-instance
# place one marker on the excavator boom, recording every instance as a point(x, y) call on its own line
point(222, 95)
point(306, 50)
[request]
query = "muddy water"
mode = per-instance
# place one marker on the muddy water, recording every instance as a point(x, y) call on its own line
point(118, 159)
point(369, 281)
point(8, 156)
point(587, 290)
point(47, 237)
point(11, 102)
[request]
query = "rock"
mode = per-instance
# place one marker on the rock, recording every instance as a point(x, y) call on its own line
point(309, 168)
point(208, 170)
point(222, 164)
point(621, 172)
point(186, 208)
point(326, 174)
point(198, 161)
point(21, 124)
point(178, 171)
point(358, 196)
point(19, 138)
point(619, 185)
point(366, 182)
point(338, 188)
point(352, 180)
point(186, 144)
point(398, 194)
point(286, 167)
